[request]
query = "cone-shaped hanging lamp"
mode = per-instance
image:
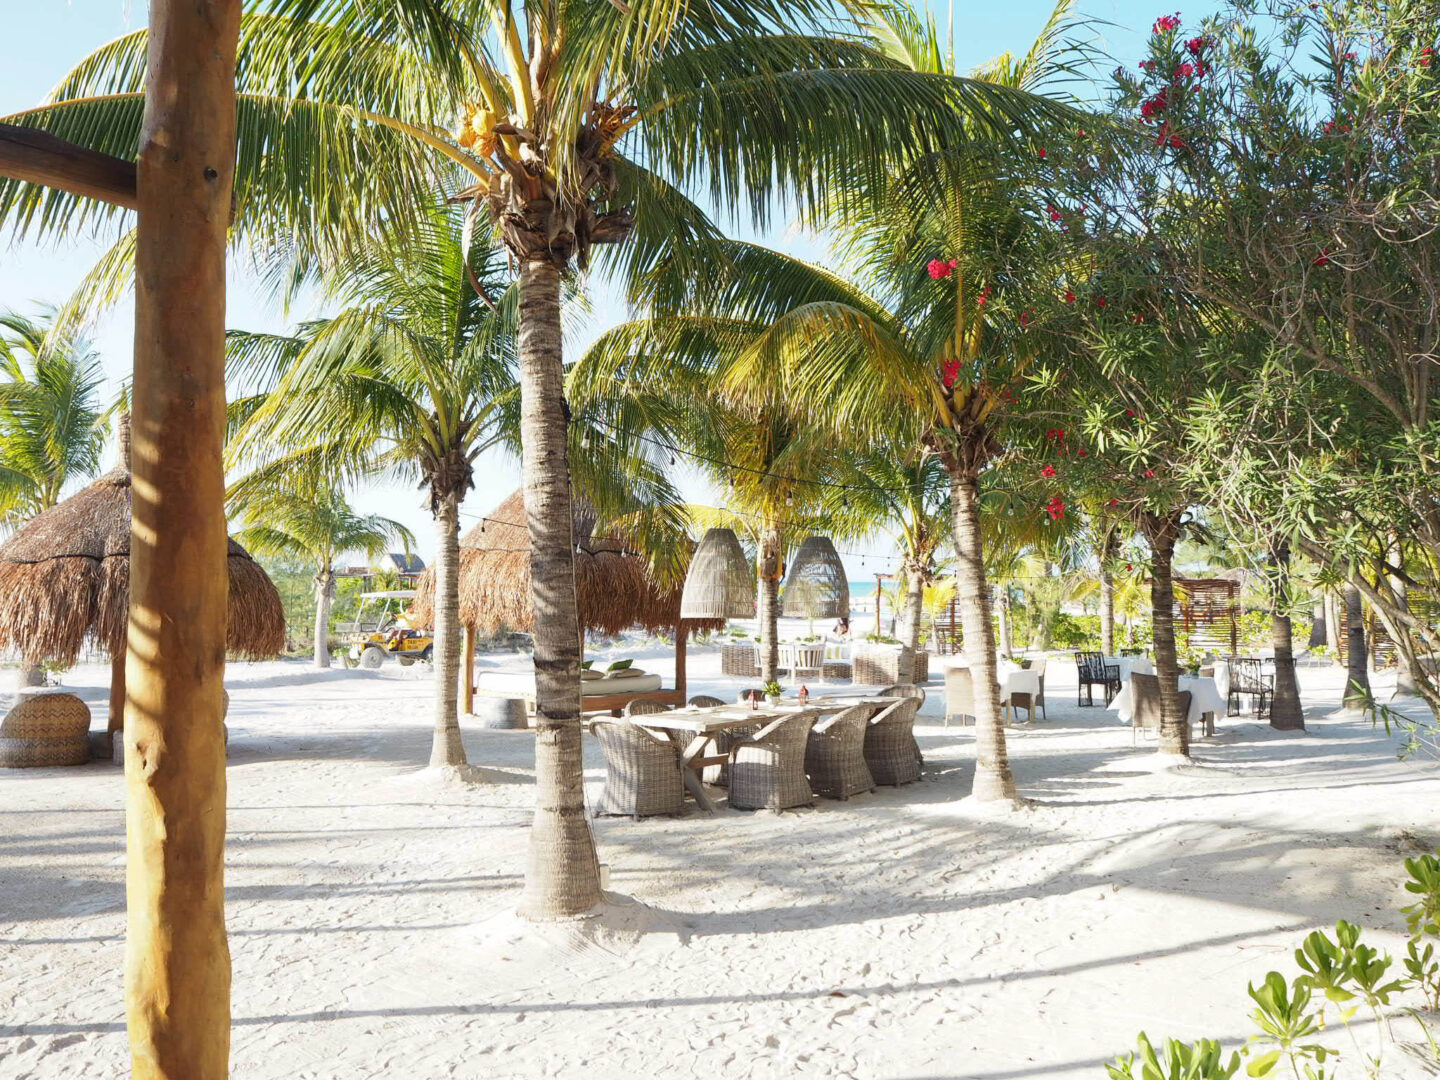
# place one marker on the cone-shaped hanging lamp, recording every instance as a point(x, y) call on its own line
point(816, 587)
point(721, 583)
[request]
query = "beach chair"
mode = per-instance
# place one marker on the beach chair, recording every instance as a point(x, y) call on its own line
point(642, 772)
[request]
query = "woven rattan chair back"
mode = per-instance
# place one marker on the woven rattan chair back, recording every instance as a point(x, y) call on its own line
point(890, 750)
point(835, 754)
point(767, 770)
point(705, 701)
point(645, 708)
point(642, 773)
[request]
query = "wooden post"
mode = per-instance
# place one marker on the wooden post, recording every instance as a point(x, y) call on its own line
point(117, 694)
point(177, 991)
point(682, 631)
point(467, 669)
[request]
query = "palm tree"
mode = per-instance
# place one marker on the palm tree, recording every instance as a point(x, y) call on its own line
point(51, 422)
point(415, 376)
point(299, 516)
point(342, 113)
point(901, 491)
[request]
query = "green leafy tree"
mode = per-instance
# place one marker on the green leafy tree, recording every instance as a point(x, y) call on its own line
point(414, 376)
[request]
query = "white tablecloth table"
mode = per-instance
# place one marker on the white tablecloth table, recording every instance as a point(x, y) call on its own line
point(1128, 665)
point(1205, 697)
point(1013, 680)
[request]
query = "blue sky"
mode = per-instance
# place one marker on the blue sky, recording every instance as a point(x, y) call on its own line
point(46, 38)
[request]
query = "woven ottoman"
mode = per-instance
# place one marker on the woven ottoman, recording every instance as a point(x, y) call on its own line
point(43, 730)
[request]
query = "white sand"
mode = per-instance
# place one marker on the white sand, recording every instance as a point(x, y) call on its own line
point(901, 934)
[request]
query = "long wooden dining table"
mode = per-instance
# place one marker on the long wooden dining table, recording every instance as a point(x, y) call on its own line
point(702, 724)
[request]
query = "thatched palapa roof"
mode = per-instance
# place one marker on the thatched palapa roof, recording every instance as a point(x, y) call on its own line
point(615, 587)
point(65, 576)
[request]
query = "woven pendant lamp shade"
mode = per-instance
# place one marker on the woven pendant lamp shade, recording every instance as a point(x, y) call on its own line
point(720, 584)
point(816, 587)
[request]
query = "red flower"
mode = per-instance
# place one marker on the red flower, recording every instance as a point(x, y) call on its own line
point(939, 268)
point(1069, 297)
point(1129, 412)
point(1025, 317)
point(1186, 69)
point(951, 373)
point(1349, 56)
point(981, 301)
point(1196, 44)
point(1165, 23)
point(1048, 471)
point(1176, 142)
point(1082, 452)
point(1055, 508)
point(1323, 259)
point(953, 263)
point(1054, 214)
point(1099, 301)
point(1129, 566)
point(1149, 474)
point(1041, 152)
point(1114, 502)
point(1137, 318)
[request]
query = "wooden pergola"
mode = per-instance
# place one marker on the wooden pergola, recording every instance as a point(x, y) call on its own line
point(1208, 609)
point(177, 961)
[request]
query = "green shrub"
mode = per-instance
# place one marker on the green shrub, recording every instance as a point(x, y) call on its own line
point(1076, 632)
point(1339, 974)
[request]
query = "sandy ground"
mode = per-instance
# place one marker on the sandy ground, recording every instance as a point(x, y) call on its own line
point(901, 934)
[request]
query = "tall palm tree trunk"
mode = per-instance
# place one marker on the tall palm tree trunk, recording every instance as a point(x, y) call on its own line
point(1107, 595)
point(993, 779)
point(177, 961)
point(563, 878)
point(770, 606)
point(914, 612)
point(1357, 680)
point(1002, 607)
point(1332, 623)
point(1286, 710)
point(446, 747)
point(324, 584)
point(1163, 532)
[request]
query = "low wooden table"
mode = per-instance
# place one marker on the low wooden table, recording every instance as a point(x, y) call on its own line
point(702, 724)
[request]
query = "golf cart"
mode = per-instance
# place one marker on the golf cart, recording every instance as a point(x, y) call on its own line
point(382, 629)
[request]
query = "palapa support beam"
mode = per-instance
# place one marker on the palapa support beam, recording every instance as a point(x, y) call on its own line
point(177, 977)
point(37, 157)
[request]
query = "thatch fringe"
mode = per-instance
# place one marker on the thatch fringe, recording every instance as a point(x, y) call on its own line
point(615, 588)
point(65, 577)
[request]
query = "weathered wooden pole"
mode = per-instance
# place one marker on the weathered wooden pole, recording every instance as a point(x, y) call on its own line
point(177, 962)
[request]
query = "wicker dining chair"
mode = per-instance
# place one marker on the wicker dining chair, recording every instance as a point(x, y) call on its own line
point(720, 743)
point(835, 754)
point(767, 770)
point(1022, 700)
point(1145, 702)
point(890, 744)
point(642, 772)
point(908, 690)
point(705, 701)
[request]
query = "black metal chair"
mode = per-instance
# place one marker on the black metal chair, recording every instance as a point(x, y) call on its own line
point(1248, 677)
point(1093, 671)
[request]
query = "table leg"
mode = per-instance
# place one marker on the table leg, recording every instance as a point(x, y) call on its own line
point(694, 782)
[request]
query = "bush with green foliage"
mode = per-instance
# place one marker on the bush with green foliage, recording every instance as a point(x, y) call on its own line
point(1075, 632)
point(1338, 973)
